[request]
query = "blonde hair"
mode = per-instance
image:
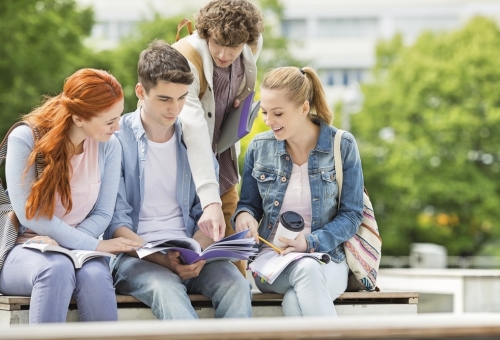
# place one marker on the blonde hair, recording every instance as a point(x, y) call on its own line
point(301, 85)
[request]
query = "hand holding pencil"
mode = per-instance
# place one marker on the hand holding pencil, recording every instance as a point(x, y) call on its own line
point(276, 249)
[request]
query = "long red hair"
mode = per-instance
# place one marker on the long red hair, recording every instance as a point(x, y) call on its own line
point(86, 94)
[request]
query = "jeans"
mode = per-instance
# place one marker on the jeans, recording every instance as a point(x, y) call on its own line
point(51, 280)
point(229, 201)
point(167, 294)
point(309, 287)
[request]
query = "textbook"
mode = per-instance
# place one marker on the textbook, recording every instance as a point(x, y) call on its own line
point(77, 256)
point(233, 248)
point(238, 123)
point(269, 265)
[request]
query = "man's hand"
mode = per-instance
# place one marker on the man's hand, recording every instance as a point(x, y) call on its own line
point(212, 222)
point(203, 240)
point(236, 103)
point(298, 245)
point(172, 261)
point(246, 221)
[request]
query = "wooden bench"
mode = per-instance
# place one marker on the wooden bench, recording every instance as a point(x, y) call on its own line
point(14, 309)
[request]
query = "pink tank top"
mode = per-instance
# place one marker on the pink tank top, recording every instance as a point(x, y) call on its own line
point(85, 184)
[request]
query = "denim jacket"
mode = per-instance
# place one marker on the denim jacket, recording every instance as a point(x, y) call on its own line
point(266, 174)
point(131, 190)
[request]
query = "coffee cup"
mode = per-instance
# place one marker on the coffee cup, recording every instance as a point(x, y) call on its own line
point(289, 226)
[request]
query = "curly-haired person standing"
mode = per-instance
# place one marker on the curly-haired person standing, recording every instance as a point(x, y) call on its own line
point(228, 38)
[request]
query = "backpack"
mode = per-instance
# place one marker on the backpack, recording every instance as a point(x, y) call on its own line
point(9, 224)
point(363, 250)
point(190, 53)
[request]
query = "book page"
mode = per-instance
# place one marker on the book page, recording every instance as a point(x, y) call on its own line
point(186, 242)
point(77, 256)
point(234, 247)
point(84, 255)
point(43, 247)
point(269, 265)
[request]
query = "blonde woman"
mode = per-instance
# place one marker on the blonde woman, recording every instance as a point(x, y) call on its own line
point(291, 168)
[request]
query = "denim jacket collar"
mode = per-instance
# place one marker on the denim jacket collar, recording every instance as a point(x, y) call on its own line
point(325, 140)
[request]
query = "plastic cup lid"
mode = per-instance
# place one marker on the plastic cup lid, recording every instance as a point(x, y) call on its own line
point(292, 221)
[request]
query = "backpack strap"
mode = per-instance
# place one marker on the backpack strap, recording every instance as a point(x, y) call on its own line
point(3, 146)
point(337, 156)
point(190, 53)
point(184, 22)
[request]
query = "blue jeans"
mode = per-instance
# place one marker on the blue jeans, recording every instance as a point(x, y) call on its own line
point(167, 295)
point(309, 287)
point(51, 280)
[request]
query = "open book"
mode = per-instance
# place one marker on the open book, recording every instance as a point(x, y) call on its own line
point(269, 265)
point(238, 123)
point(233, 248)
point(77, 256)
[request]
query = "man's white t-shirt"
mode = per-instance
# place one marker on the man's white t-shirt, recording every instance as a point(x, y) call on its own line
point(161, 216)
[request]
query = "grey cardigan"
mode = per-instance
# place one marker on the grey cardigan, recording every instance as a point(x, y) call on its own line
point(85, 235)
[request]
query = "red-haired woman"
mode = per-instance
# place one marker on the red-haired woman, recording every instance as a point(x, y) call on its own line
point(70, 203)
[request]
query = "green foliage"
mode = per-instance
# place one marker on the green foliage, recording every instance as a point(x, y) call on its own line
point(41, 44)
point(122, 61)
point(429, 136)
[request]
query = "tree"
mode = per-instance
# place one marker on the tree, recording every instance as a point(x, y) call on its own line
point(41, 46)
point(122, 61)
point(429, 135)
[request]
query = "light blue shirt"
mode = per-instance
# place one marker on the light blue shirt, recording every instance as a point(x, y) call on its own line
point(131, 189)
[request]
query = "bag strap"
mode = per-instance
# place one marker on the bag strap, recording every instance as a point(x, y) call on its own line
point(184, 22)
point(191, 54)
point(337, 156)
point(39, 162)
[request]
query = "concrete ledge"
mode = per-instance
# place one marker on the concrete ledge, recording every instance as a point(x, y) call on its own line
point(429, 326)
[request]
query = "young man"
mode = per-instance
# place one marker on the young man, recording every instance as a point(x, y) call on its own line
point(228, 39)
point(157, 199)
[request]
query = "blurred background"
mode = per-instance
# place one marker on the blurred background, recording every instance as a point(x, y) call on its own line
point(417, 82)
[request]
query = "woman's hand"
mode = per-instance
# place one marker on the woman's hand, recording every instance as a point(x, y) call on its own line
point(118, 245)
point(42, 240)
point(298, 245)
point(246, 221)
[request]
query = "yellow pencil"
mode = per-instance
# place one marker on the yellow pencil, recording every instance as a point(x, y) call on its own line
point(270, 245)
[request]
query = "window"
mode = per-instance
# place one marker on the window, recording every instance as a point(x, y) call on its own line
point(347, 27)
point(294, 28)
point(413, 26)
point(342, 77)
point(113, 30)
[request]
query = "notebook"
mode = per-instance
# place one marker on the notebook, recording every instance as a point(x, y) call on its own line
point(238, 123)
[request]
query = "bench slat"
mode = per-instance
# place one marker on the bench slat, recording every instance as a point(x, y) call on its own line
point(15, 302)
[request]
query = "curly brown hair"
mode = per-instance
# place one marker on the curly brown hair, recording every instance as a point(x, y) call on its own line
point(230, 22)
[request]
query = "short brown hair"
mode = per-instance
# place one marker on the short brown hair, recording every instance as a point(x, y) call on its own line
point(160, 61)
point(230, 22)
